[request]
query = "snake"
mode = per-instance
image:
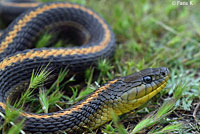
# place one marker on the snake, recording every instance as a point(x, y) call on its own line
point(18, 59)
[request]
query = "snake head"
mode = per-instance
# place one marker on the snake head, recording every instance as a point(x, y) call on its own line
point(141, 86)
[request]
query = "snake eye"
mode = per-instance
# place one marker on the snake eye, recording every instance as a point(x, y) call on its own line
point(147, 79)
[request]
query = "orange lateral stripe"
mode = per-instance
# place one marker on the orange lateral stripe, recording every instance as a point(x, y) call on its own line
point(78, 107)
point(2, 105)
point(22, 23)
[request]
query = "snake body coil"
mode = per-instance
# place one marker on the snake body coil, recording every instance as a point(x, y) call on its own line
point(19, 59)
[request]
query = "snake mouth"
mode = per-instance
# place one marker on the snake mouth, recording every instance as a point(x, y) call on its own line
point(155, 89)
point(138, 95)
point(143, 91)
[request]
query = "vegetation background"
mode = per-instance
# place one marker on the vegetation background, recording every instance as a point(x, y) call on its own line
point(149, 33)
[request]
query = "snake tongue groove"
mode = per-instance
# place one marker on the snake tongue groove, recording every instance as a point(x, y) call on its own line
point(19, 59)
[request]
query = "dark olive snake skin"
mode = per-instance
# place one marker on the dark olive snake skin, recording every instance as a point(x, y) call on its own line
point(18, 59)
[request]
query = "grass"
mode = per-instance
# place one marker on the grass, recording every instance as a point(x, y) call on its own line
point(148, 34)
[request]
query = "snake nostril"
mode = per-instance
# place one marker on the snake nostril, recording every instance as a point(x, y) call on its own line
point(163, 73)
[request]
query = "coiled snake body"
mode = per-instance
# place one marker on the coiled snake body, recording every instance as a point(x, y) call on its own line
point(19, 59)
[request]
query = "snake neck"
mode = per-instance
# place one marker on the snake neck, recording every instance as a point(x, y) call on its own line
point(87, 114)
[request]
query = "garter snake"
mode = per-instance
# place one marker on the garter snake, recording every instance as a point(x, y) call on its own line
point(19, 59)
